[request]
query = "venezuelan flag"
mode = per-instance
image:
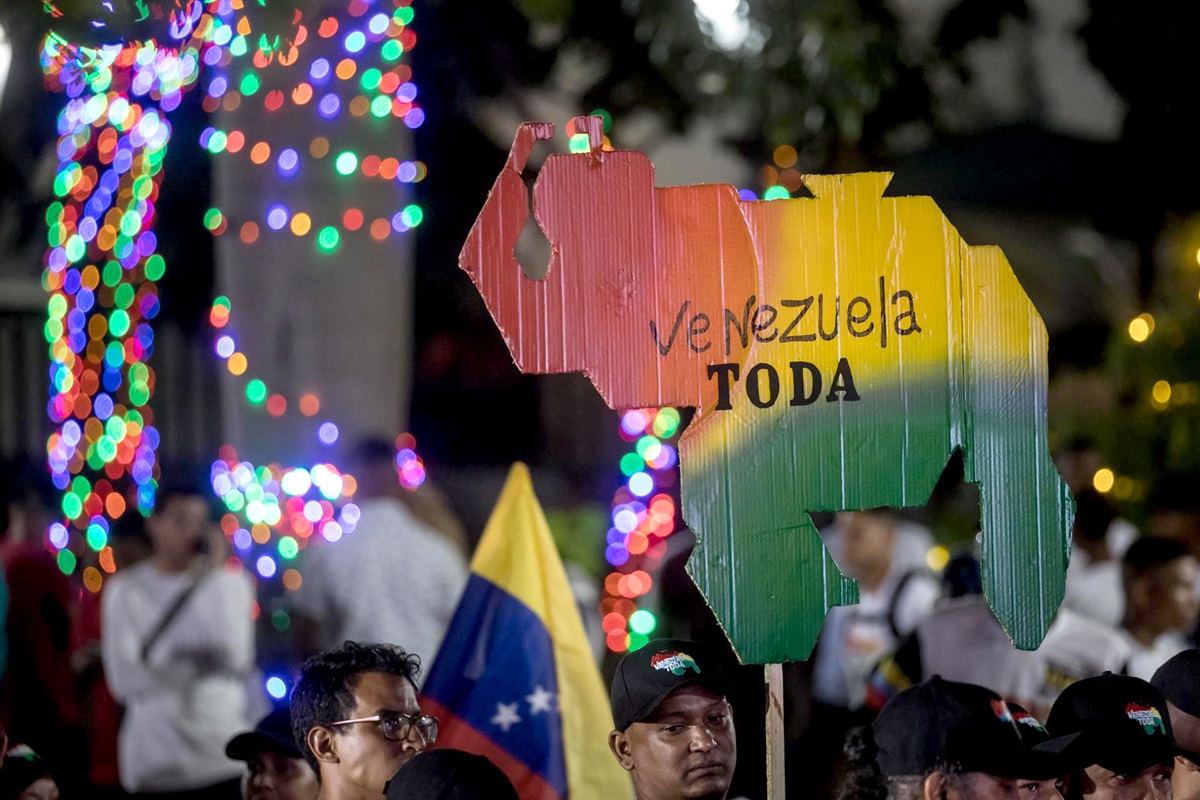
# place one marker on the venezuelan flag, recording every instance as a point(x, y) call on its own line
point(514, 679)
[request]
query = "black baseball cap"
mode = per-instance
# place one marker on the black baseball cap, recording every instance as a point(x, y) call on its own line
point(273, 732)
point(1179, 681)
point(446, 774)
point(1032, 731)
point(1117, 722)
point(648, 675)
point(940, 724)
point(21, 767)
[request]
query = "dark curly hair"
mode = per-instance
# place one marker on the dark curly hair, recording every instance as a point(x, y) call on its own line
point(862, 779)
point(325, 691)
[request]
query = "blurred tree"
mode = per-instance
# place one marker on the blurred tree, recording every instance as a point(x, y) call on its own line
point(1147, 55)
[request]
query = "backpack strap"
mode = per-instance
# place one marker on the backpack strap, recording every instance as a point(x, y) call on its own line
point(894, 601)
point(171, 614)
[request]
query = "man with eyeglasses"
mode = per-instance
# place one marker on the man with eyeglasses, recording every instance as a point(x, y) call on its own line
point(356, 719)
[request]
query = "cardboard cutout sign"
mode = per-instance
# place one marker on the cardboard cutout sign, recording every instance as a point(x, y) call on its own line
point(838, 350)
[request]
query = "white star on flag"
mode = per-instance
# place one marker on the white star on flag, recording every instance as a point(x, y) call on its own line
point(506, 716)
point(540, 700)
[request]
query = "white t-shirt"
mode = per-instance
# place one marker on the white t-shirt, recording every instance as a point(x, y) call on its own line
point(188, 698)
point(1094, 589)
point(962, 641)
point(1076, 647)
point(855, 638)
point(394, 579)
point(1144, 661)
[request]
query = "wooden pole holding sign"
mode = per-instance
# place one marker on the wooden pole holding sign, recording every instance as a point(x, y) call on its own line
point(776, 775)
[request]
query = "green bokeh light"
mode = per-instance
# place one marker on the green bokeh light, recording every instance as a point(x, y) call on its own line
point(328, 239)
point(256, 391)
point(66, 562)
point(112, 274)
point(288, 548)
point(250, 83)
point(96, 538)
point(631, 463)
point(666, 422)
point(118, 322)
point(579, 143)
point(155, 267)
point(412, 215)
point(600, 112)
point(642, 622)
point(346, 163)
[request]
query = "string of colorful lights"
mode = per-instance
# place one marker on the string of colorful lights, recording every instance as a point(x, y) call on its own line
point(101, 267)
point(273, 512)
point(368, 47)
point(102, 264)
point(643, 517)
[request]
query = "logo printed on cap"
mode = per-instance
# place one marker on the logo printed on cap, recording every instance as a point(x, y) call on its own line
point(675, 663)
point(1025, 718)
point(1146, 716)
point(1000, 709)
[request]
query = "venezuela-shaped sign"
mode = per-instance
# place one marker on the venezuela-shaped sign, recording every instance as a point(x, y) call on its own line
point(837, 349)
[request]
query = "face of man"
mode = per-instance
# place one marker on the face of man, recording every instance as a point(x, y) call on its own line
point(1152, 783)
point(271, 775)
point(686, 749)
point(178, 526)
point(1175, 595)
point(366, 759)
point(41, 789)
point(982, 786)
point(867, 542)
point(1185, 782)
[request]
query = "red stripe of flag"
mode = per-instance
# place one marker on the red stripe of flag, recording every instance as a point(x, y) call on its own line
point(461, 735)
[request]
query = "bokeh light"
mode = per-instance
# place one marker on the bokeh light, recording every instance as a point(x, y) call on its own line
point(643, 518)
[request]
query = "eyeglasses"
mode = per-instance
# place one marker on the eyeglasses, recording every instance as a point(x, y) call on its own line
point(397, 727)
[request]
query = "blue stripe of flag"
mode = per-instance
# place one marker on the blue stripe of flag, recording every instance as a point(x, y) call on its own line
point(497, 651)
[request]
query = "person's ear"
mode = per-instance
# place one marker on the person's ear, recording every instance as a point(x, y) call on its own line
point(323, 744)
point(618, 742)
point(1186, 763)
point(935, 786)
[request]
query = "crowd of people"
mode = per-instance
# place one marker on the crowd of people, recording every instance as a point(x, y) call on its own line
point(150, 689)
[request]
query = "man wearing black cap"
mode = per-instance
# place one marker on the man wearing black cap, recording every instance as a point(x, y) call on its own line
point(673, 724)
point(1118, 726)
point(942, 740)
point(275, 768)
point(1179, 681)
point(1034, 733)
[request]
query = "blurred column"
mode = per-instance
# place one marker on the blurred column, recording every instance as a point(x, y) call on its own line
point(320, 304)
